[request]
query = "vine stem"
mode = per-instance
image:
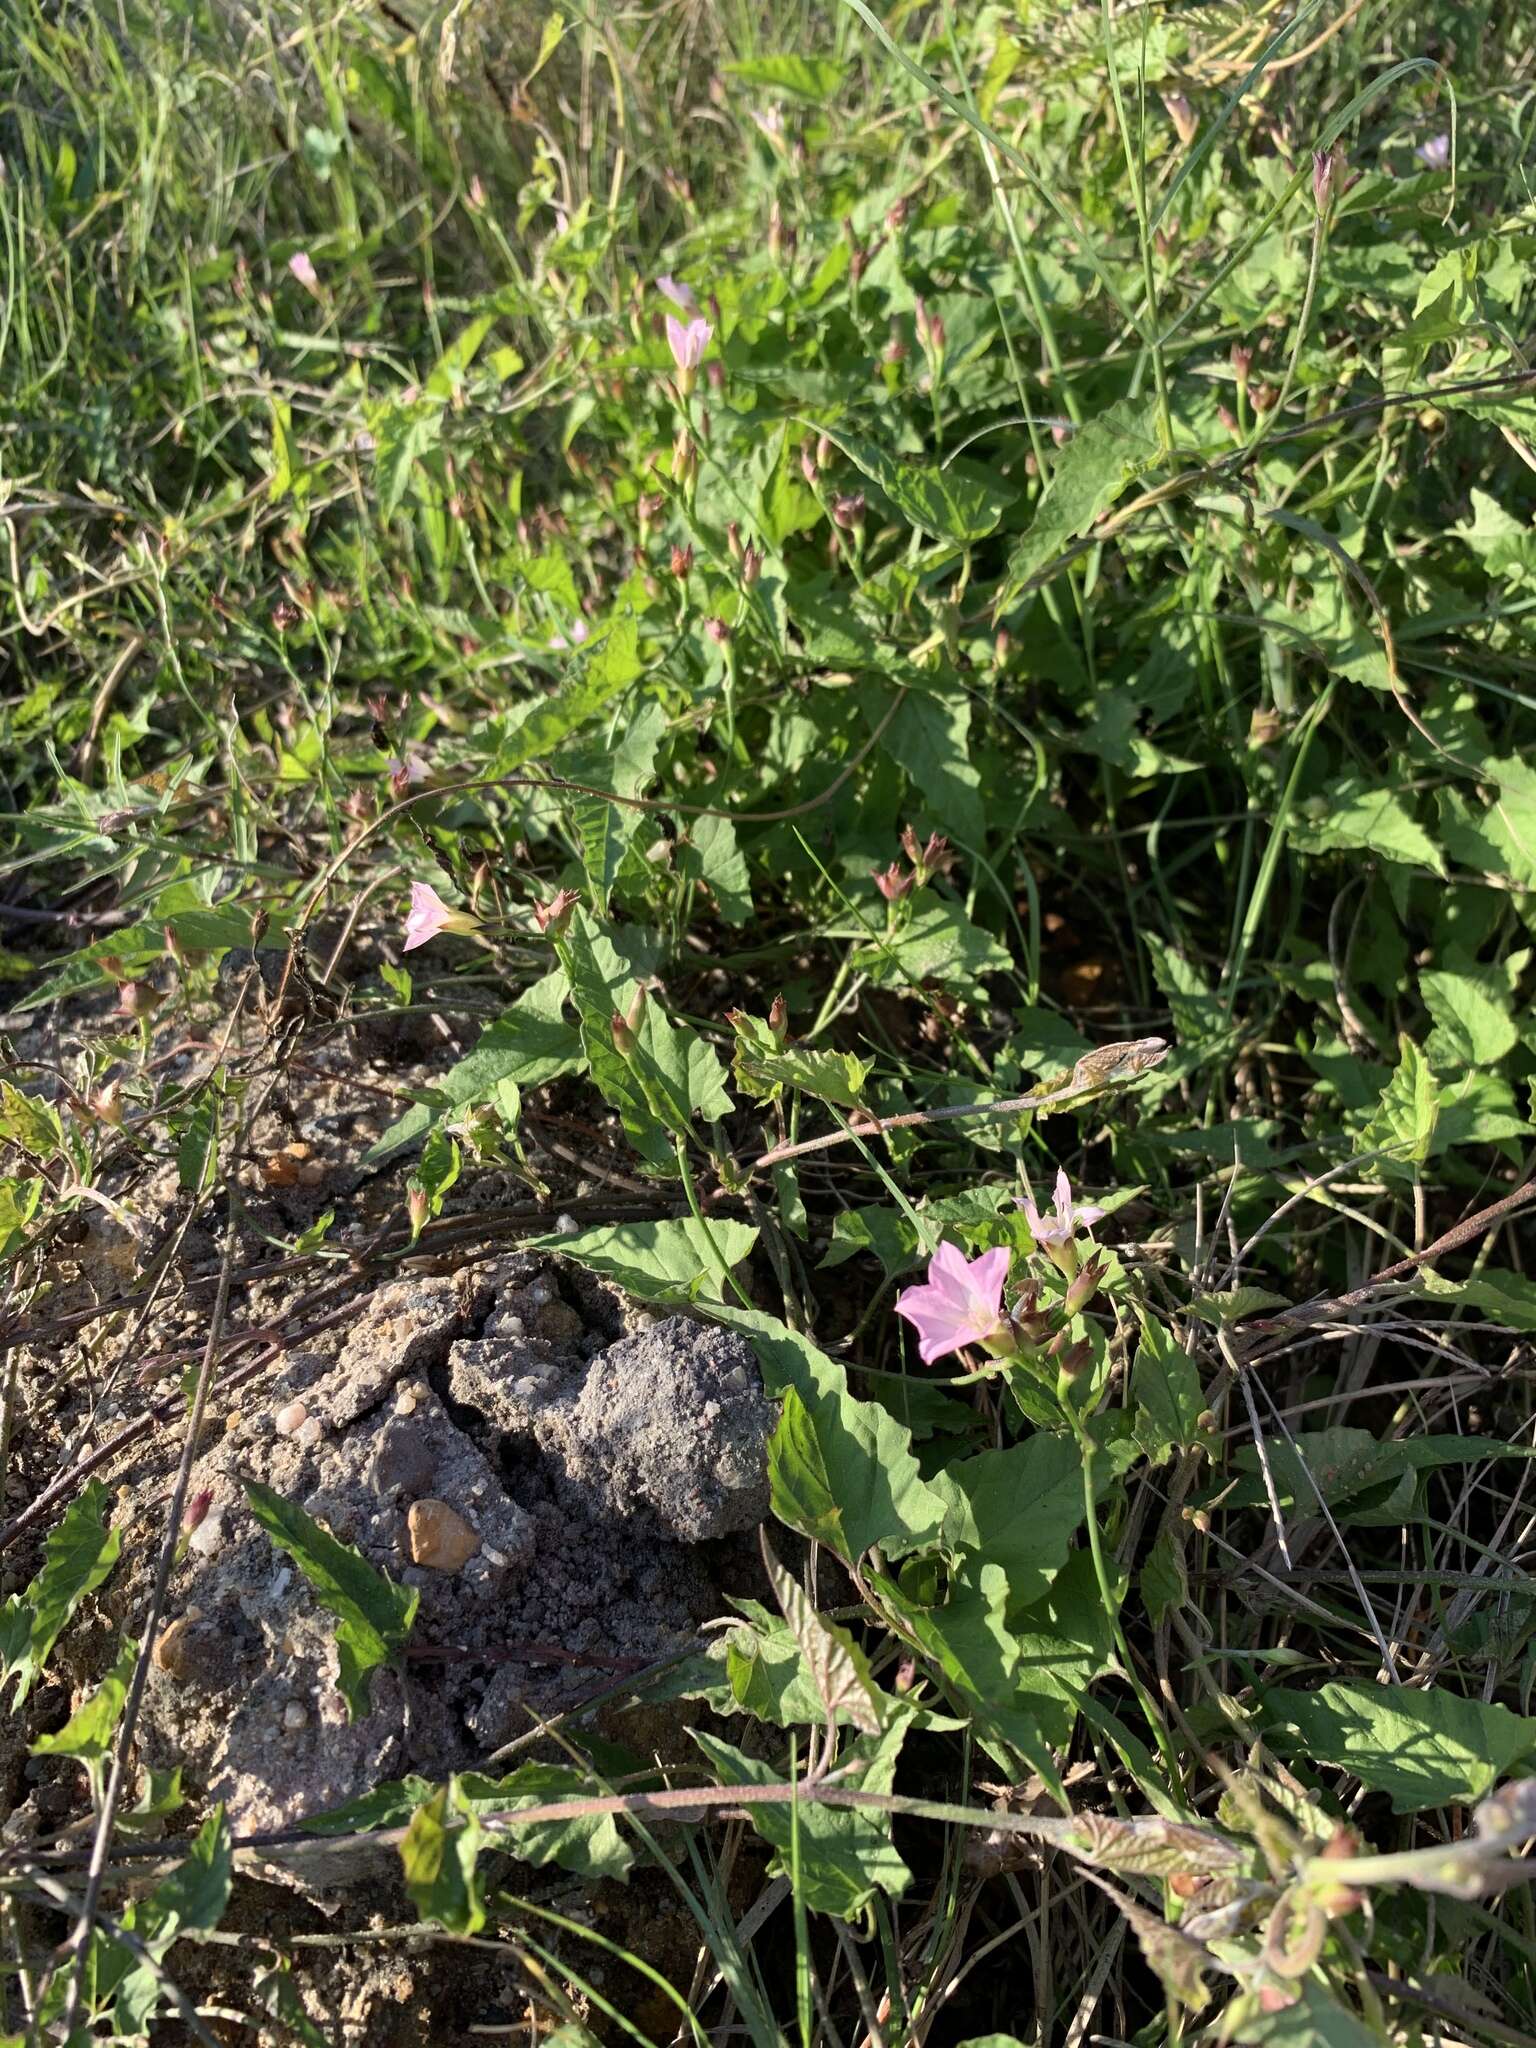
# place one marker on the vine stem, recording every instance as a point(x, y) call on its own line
point(1112, 1609)
point(680, 1145)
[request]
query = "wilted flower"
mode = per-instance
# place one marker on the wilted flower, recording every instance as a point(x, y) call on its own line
point(960, 1303)
point(718, 631)
point(680, 294)
point(429, 915)
point(687, 345)
point(1182, 115)
point(553, 917)
point(1324, 164)
point(937, 857)
point(1242, 364)
point(848, 511)
point(751, 564)
point(475, 198)
point(778, 1018)
point(682, 558)
point(893, 882)
point(137, 999)
point(1056, 1231)
point(1436, 153)
point(409, 769)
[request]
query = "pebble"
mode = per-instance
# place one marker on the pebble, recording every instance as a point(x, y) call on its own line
point(309, 1433)
point(288, 1421)
point(493, 1557)
point(558, 1322)
point(567, 1225)
point(208, 1537)
point(538, 1292)
point(175, 1652)
point(403, 1461)
point(405, 1403)
point(295, 1715)
point(439, 1536)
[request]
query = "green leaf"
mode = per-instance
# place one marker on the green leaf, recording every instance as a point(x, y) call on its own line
point(1403, 1124)
point(589, 1844)
point(710, 854)
point(807, 78)
point(196, 1893)
point(88, 1732)
point(842, 1855)
point(531, 1043)
point(1090, 473)
point(1473, 1011)
point(77, 1557)
point(1429, 1748)
point(938, 943)
point(1019, 1508)
point(670, 1260)
point(930, 737)
point(1355, 814)
point(839, 1668)
point(961, 502)
point(847, 1464)
point(438, 1857)
point(387, 1805)
point(375, 1615)
point(764, 1069)
point(1165, 1384)
point(1316, 2020)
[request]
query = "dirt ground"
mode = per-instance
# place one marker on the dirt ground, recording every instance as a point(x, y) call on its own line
point(568, 1477)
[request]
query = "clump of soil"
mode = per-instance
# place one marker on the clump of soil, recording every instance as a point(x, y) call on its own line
point(553, 1468)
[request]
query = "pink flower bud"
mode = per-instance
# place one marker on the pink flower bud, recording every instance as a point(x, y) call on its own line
point(893, 882)
point(848, 511)
point(1324, 163)
point(553, 917)
point(778, 1018)
point(196, 1510)
point(418, 1208)
point(682, 559)
point(718, 631)
point(751, 564)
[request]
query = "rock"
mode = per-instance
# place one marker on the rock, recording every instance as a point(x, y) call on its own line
point(309, 1432)
point(558, 1323)
point(403, 1461)
point(437, 1535)
point(208, 1535)
point(403, 1328)
point(295, 1716)
point(197, 1650)
point(289, 1419)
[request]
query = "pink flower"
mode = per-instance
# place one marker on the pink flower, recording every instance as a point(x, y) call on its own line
point(892, 882)
point(1436, 153)
point(679, 293)
point(304, 270)
point(429, 915)
point(1061, 1224)
point(687, 345)
point(961, 1303)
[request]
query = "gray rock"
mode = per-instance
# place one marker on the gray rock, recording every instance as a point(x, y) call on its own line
point(403, 1460)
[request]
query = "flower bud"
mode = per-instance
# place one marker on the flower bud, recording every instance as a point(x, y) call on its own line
point(718, 631)
point(682, 559)
point(625, 1043)
point(553, 917)
point(733, 540)
point(778, 1018)
point(1083, 1287)
point(636, 1010)
point(418, 1207)
point(107, 1103)
point(1228, 419)
point(848, 511)
point(751, 564)
point(136, 999)
point(896, 214)
point(1001, 644)
point(1324, 164)
point(1262, 397)
point(824, 451)
point(196, 1510)
point(1182, 115)
point(808, 467)
point(1242, 364)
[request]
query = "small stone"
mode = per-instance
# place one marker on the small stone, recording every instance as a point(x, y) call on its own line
point(176, 1651)
point(288, 1421)
point(493, 1557)
point(440, 1537)
point(208, 1537)
point(295, 1715)
point(403, 1461)
point(538, 1292)
point(509, 1325)
point(309, 1433)
point(405, 1404)
point(567, 1225)
point(558, 1323)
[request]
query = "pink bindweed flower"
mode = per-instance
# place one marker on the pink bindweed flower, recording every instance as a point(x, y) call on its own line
point(893, 882)
point(429, 915)
point(687, 345)
point(680, 294)
point(1056, 1230)
point(1436, 153)
point(408, 770)
point(961, 1302)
